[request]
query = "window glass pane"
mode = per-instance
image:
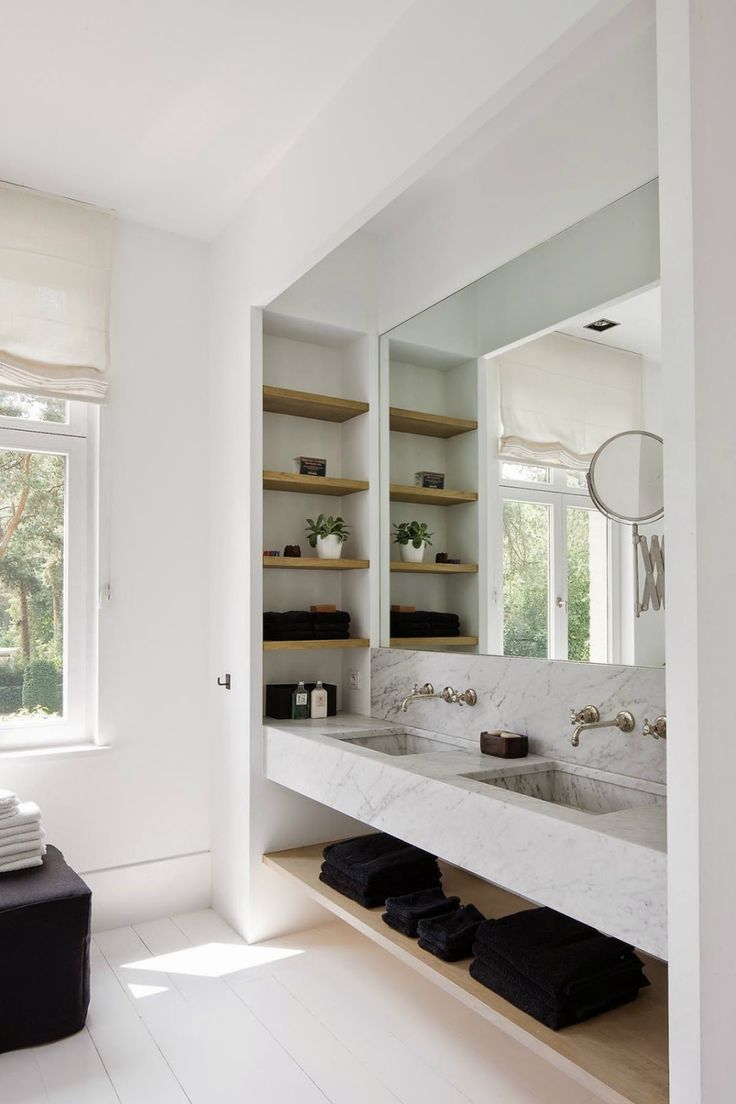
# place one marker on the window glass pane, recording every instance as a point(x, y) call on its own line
point(587, 585)
point(32, 491)
point(525, 473)
point(526, 553)
point(32, 408)
point(575, 479)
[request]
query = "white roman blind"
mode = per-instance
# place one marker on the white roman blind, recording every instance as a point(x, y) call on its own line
point(55, 260)
point(561, 397)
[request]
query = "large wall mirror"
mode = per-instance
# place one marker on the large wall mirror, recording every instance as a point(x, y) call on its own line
point(494, 403)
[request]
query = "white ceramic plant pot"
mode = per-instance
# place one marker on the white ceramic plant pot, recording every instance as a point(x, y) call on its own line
point(329, 548)
point(410, 554)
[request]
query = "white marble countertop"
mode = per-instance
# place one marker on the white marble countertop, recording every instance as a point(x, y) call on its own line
point(606, 869)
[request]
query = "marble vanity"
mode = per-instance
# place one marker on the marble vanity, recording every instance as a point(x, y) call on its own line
point(586, 841)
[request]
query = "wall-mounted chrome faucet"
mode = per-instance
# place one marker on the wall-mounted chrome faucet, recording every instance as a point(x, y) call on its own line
point(656, 728)
point(590, 717)
point(452, 697)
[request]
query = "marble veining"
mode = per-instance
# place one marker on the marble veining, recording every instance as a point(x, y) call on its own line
point(531, 696)
point(608, 869)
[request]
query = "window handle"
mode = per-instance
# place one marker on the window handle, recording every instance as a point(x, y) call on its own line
point(561, 603)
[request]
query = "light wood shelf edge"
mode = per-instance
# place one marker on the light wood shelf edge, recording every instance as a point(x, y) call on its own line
point(442, 641)
point(313, 563)
point(621, 1055)
point(312, 484)
point(314, 645)
point(434, 568)
point(428, 425)
point(306, 404)
point(428, 496)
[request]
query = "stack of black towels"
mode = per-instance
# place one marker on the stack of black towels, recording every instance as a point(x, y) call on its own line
point(368, 869)
point(424, 623)
point(443, 926)
point(303, 625)
point(555, 968)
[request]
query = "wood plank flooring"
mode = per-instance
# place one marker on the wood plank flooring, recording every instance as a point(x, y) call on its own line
point(184, 1011)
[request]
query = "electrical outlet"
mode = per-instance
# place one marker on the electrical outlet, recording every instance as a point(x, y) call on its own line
point(354, 680)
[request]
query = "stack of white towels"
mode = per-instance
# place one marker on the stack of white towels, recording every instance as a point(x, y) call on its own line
point(21, 835)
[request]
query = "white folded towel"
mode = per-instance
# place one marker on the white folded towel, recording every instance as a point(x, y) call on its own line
point(21, 845)
point(10, 835)
point(27, 812)
point(22, 862)
point(8, 802)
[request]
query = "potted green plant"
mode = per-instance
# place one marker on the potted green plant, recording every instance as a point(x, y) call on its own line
point(412, 538)
point(327, 535)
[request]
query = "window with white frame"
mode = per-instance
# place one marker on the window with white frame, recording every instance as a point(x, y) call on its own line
point(559, 566)
point(47, 570)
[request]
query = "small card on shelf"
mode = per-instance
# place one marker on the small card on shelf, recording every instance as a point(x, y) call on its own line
point(434, 481)
point(310, 465)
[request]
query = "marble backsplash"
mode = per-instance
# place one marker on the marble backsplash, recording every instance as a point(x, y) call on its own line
point(532, 696)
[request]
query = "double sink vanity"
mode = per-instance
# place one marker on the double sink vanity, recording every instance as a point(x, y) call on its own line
point(585, 841)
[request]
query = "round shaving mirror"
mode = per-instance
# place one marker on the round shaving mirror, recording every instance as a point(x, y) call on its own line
point(625, 477)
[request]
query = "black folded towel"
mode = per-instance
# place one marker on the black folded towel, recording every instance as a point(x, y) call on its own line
point(451, 936)
point(403, 913)
point(519, 991)
point(295, 632)
point(333, 617)
point(375, 892)
point(362, 856)
point(290, 617)
point(553, 951)
point(331, 632)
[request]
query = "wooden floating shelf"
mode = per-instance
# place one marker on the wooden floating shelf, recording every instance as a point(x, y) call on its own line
point(313, 563)
point(621, 1056)
point(428, 425)
point(426, 496)
point(312, 484)
point(434, 568)
point(444, 641)
point(304, 404)
point(313, 645)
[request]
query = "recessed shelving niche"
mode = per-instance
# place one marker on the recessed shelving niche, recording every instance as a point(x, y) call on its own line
point(331, 420)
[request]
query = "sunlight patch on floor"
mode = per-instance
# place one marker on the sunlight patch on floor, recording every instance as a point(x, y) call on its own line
point(213, 960)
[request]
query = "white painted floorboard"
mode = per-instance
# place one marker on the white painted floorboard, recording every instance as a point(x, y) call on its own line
point(184, 1012)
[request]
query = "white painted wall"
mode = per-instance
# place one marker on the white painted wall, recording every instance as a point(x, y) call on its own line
point(146, 800)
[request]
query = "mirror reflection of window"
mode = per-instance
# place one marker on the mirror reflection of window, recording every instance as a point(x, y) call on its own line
point(557, 591)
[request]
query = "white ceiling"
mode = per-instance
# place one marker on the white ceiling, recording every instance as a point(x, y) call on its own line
point(639, 329)
point(170, 111)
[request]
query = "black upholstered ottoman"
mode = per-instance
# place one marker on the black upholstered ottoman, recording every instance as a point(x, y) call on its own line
point(44, 953)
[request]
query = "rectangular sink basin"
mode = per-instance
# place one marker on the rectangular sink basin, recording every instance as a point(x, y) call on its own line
point(590, 791)
point(399, 743)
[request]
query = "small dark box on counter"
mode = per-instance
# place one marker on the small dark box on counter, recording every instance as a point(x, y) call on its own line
point(504, 745)
point(278, 698)
point(310, 465)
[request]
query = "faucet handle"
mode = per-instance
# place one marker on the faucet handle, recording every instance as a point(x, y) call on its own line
point(656, 728)
point(589, 714)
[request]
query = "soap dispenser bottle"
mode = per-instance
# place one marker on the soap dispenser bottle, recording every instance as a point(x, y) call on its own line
point(319, 701)
point(300, 703)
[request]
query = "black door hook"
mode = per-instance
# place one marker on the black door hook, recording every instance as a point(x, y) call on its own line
point(224, 682)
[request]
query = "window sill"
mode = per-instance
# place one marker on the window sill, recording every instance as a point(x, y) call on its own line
point(63, 751)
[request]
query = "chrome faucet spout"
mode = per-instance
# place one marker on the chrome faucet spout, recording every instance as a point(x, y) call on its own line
point(589, 718)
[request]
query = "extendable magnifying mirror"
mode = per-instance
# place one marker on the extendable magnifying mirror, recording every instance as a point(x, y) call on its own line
point(625, 481)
